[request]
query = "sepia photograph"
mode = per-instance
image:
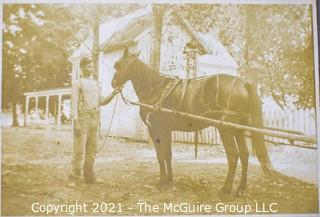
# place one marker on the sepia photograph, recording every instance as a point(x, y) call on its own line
point(136, 108)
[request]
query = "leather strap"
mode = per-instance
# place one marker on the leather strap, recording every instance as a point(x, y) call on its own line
point(184, 90)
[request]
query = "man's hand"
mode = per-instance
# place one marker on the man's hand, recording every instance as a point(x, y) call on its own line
point(117, 90)
point(76, 127)
point(106, 100)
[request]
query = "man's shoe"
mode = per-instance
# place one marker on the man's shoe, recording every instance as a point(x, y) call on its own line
point(94, 181)
point(73, 182)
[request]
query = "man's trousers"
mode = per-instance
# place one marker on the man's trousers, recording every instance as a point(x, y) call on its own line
point(85, 146)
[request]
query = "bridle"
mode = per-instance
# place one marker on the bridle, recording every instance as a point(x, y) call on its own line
point(127, 67)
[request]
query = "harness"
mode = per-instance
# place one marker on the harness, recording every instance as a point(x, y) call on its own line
point(220, 109)
point(229, 98)
point(170, 87)
point(184, 90)
point(168, 90)
point(173, 84)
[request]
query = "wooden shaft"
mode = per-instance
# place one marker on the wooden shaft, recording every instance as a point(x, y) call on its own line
point(219, 123)
point(284, 130)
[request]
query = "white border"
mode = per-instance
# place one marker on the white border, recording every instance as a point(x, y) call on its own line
point(1, 20)
point(316, 83)
point(163, 1)
point(315, 41)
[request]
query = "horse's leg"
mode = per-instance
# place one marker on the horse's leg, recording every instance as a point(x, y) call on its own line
point(159, 139)
point(244, 157)
point(168, 143)
point(232, 156)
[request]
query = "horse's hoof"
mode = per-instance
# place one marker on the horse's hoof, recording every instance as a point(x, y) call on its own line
point(241, 192)
point(224, 192)
point(169, 180)
point(162, 188)
point(162, 185)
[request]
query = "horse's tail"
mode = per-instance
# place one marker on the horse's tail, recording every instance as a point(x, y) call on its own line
point(256, 120)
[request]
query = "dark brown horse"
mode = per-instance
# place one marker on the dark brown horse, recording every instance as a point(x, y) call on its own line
point(221, 97)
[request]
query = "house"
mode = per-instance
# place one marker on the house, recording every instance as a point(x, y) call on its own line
point(135, 31)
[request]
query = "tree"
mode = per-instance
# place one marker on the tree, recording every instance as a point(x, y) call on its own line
point(38, 43)
point(91, 16)
point(271, 42)
point(35, 50)
point(157, 11)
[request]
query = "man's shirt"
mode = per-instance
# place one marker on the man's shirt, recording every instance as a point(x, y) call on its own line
point(86, 97)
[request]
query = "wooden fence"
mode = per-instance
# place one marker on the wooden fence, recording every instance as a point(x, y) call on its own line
point(303, 121)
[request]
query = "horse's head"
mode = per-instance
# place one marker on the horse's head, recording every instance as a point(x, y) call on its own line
point(122, 67)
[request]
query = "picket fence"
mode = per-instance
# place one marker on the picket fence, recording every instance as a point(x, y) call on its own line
point(303, 121)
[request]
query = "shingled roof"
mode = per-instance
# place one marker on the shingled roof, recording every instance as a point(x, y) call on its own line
point(123, 31)
point(126, 35)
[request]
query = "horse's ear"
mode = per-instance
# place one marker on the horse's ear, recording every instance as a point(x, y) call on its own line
point(126, 52)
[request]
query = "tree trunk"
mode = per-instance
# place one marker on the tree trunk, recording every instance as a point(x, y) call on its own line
point(156, 40)
point(248, 46)
point(95, 46)
point(95, 55)
point(15, 122)
point(15, 96)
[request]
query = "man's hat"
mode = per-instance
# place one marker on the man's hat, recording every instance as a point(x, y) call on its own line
point(85, 61)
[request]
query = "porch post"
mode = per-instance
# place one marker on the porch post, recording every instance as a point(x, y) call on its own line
point(37, 103)
point(47, 108)
point(59, 110)
point(26, 107)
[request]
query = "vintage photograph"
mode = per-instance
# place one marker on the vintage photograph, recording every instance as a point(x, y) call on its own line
point(159, 108)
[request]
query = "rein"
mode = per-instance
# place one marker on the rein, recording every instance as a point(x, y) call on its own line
point(125, 100)
point(108, 131)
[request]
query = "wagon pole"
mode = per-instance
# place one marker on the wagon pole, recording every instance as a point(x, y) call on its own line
point(282, 143)
point(289, 136)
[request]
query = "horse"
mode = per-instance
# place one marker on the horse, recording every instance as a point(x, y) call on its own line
point(221, 97)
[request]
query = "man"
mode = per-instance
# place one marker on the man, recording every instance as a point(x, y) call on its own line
point(85, 106)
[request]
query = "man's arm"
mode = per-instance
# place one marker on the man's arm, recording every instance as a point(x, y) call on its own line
point(105, 100)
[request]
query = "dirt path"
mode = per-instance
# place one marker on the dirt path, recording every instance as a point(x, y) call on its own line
point(36, 164)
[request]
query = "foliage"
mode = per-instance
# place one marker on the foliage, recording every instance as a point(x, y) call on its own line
point(35, 48)
point(38, 40)
point(91, 16)
point(272, 42)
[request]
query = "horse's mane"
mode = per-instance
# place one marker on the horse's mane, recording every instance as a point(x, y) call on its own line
point(146, 68)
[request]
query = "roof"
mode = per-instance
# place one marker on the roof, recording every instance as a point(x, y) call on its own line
point(122, 32)
point(106, 31)
point(126, 34)
point(49, 92)
point(194, 34)
point(134, 27)
point(220, 55)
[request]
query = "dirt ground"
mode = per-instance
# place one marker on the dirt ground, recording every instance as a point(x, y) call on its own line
point(36, 165)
